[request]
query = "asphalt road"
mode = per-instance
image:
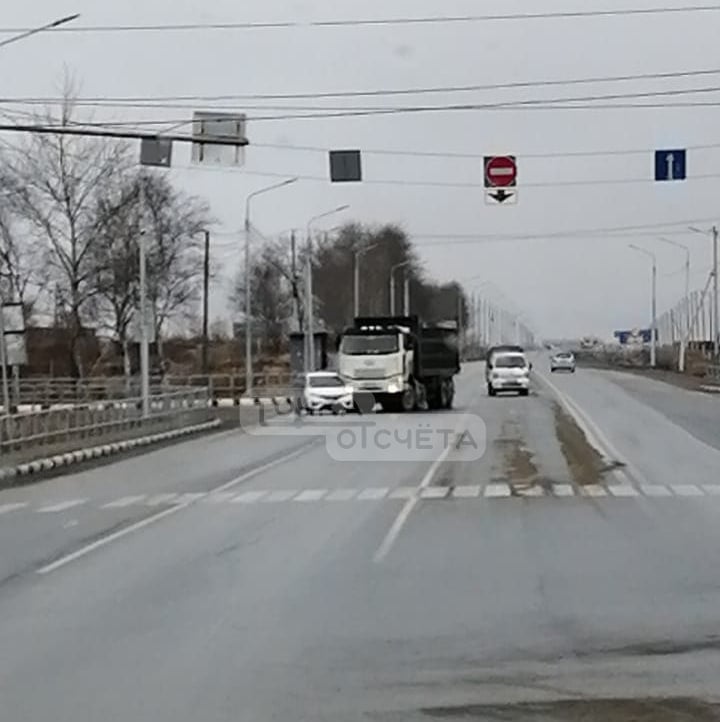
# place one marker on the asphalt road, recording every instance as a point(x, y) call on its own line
point(484, 564)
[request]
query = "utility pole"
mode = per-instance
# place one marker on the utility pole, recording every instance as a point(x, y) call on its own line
point(310, 307)
point(206, 304)
point(144, 336)
point(406, 295)
point(653, 340)
point(392, 293)
point(716, 308)
point(3, 362)
point(293, 271)
point(356, 284)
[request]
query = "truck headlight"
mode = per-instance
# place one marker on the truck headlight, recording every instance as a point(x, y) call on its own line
point(393, 388)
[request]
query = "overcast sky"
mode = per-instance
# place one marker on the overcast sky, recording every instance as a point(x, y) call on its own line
point(569, 285)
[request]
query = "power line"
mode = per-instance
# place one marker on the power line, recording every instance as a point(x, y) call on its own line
point(153, 101)
point(532, 103)
point(469, 185)
point(380, 22)
point(41, 129)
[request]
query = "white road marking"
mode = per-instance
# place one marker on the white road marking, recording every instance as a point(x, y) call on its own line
point(311, 495)
point(222, 498)
point(435, 492)
point(467, 492)
point(712, 489)
point(341, 495)
point(563, 490)
point(249, 497)
point(279, 495)
point(593, 433)
point(168, 512)
point(402, 517)
point(84, 551)
point(191, 497)
point(372, 494)
point(687, 490)
point(125, 501)
point(529, 490)
point(7, 508)
point(657, 490)
point(62, 506)
point(497, 491)
point(161, 499)
point(623, 490)
point(594, 490)
point(404, 492)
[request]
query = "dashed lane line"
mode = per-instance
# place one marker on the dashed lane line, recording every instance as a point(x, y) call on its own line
point(7, 508)
point(497, 491)
point(311, 495)
point(467, 492)
point(655, 490)
point(372, 494)
point(125, 501)
point(62, 506)
point(687, 490)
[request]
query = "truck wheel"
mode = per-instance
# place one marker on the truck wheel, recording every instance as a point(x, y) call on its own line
point(491, 390)
point(408, 401)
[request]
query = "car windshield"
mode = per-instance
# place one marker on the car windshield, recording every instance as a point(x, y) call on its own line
point(564, 355)
point(328, 382)
point(364, 345)
point(510, 362)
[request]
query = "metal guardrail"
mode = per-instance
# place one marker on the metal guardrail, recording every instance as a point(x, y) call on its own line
point(82, 422)
point(48, 392)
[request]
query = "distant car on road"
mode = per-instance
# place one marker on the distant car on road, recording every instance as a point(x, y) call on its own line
point(510, 372)
point(494, 351)
point(563, 361)
point(326, 391)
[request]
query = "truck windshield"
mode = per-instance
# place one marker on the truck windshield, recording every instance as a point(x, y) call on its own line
point(366, 345)
point(510, 362)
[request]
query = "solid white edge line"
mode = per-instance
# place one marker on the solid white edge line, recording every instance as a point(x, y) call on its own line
point(115, 536)
point(595, 435)
point(402, 517)
point(104, 541)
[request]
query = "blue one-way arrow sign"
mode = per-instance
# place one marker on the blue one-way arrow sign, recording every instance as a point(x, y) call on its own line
point(670, 165)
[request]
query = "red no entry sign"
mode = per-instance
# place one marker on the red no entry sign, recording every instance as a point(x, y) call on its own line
point(500, 171)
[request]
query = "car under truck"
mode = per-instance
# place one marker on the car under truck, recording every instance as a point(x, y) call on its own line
point(402, 363)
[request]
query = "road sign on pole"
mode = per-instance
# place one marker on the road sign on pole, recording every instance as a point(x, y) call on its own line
point(500, 171)
point(501, 196)
point(219, 127)
point(345, 166)
point(670, 165)
point(156, 152)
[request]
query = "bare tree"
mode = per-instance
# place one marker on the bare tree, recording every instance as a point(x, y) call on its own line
point(173, 223)
point(53, 183)
point(271, 291)
point(116, 259)
point(22, 273)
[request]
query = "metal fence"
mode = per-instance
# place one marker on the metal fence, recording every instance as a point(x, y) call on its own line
point(48, 392)
point(96, 420)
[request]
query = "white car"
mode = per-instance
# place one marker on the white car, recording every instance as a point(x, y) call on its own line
point(326, 391)
point(563, 361)
point(510, 372)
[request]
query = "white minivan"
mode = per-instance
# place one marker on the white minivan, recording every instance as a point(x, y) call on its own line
point(510, 372)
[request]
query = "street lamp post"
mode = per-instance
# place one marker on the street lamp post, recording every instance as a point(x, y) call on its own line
point(310, 310)
point(653, 330)
point(358, 254)
point(392, 283)
point(40, 29)
point(716, 303)
point(248, 280)
point(685, 337)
